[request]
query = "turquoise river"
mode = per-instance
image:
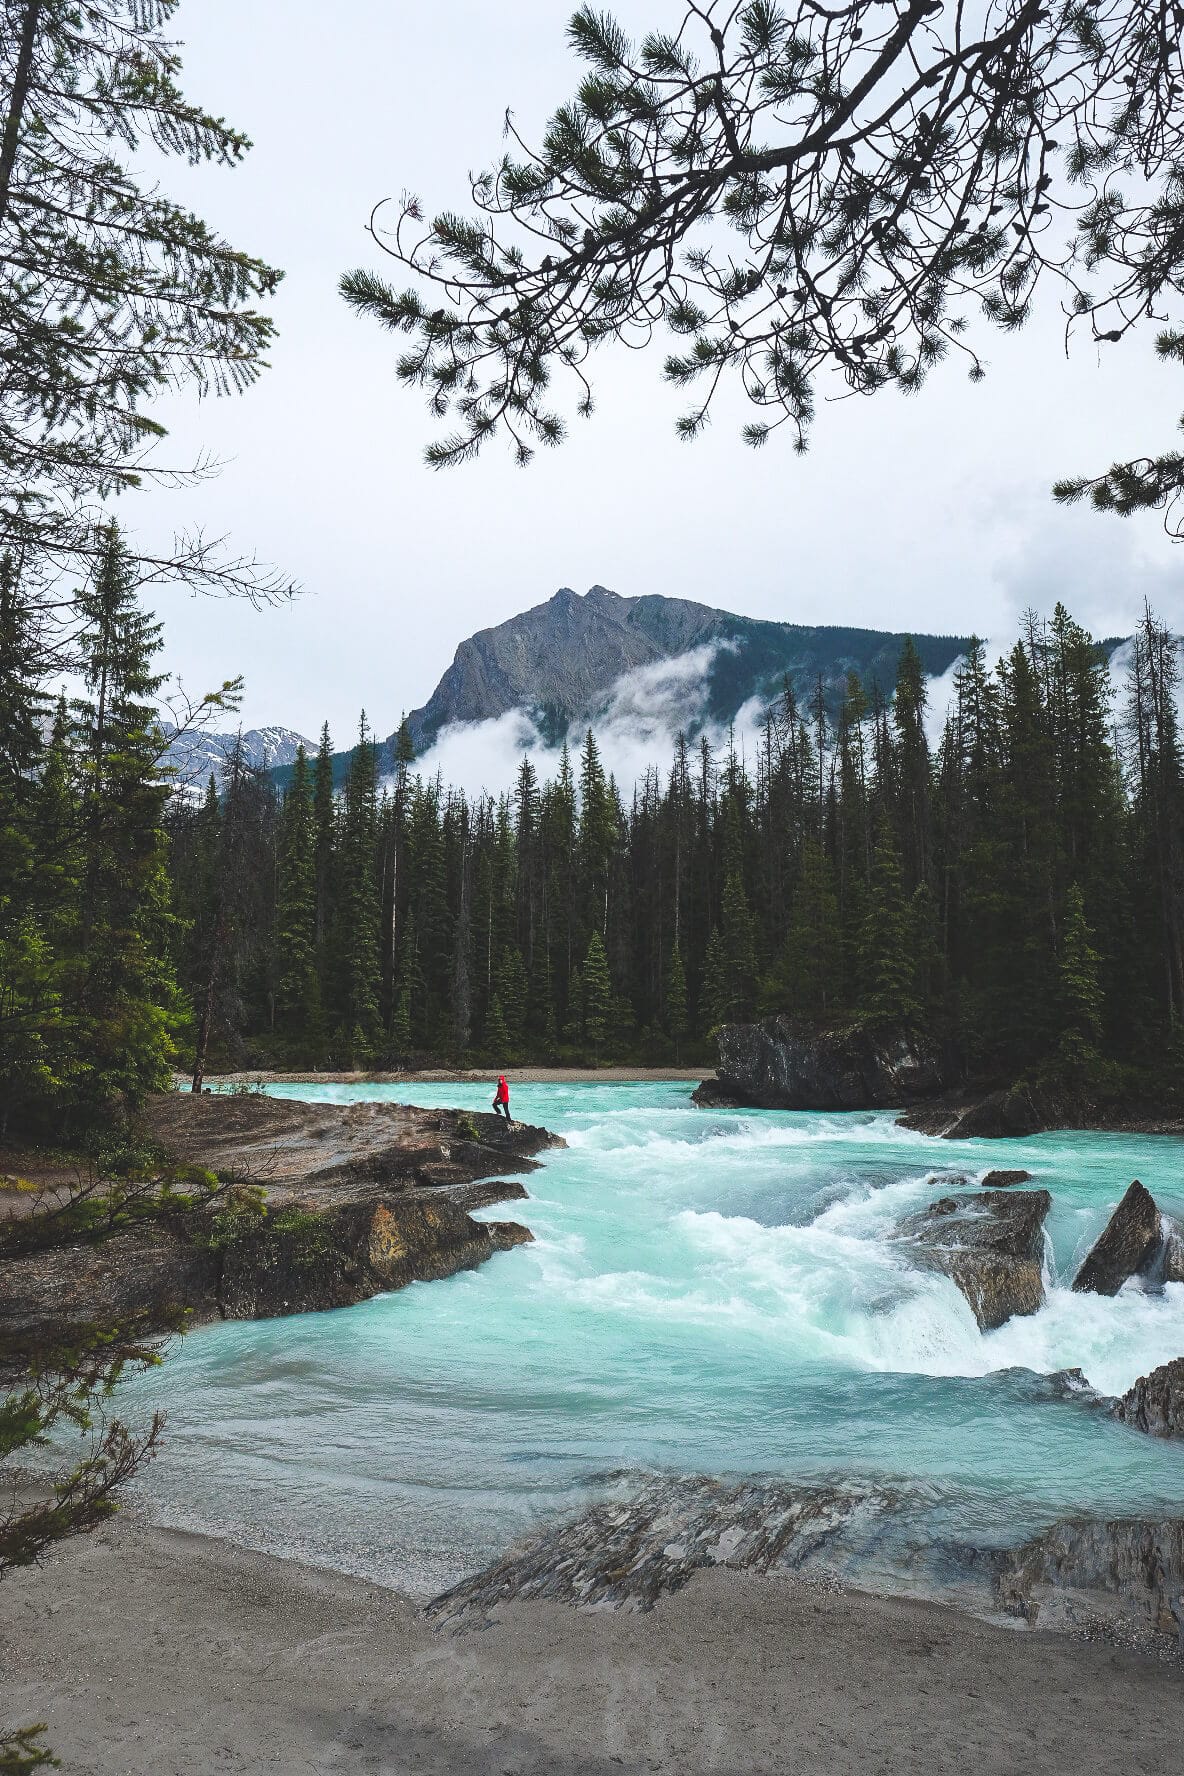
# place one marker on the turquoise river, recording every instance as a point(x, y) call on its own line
point(708, 1292)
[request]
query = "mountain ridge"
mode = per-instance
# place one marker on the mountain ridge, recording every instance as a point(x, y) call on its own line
point(193, 755)
point(560, 660)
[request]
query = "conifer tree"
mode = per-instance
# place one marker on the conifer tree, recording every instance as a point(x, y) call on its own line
point(323, 809)
point(28, 997)
point(512, 991)
point(497, 1037)
point(110, 292)
point(912, 771)
point(808, 977)
point(356, 996)
point(1156, 763)
point(127, 1003)
point(573, 1027)
point(597, 831)
point(1080, 991)
point(889, 993)
point(715, 999)
point(400, 1031)
point(232, 968)
point(296, 909)
point(676, 1000)
point(738, 951)
point(597, 994)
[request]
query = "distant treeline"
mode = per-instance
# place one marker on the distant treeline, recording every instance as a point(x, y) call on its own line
point(1017, 893)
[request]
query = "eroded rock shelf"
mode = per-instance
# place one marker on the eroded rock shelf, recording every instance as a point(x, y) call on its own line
point(361, 1198)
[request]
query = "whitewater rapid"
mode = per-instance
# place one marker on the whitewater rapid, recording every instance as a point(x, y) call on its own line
point(708, 1292)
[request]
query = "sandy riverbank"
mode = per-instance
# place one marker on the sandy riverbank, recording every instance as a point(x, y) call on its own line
point(477, 1076)
point(153, 1653)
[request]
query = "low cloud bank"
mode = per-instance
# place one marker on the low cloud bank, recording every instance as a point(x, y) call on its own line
point(642, 716)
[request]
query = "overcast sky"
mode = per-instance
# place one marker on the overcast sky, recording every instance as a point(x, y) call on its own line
point(926, 514)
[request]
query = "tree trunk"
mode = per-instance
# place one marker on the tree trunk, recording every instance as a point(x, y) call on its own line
point(21, 81)
point(207, 1010)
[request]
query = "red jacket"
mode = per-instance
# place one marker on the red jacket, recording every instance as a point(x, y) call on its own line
point(503, 1091)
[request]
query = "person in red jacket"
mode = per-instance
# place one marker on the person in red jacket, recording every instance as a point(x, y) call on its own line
point(501, 1098)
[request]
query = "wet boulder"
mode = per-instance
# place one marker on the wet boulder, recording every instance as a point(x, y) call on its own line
point(999, 1115)
point(1083, 1572)
point(1129, 1244)
point(783, 1064)
point(1156, 1402)
point(1173, 1253)
point(1004, 1180)
point(712, 1094)
point(991, 1244)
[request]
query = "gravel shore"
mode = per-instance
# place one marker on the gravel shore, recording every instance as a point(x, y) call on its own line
point(153, 1653)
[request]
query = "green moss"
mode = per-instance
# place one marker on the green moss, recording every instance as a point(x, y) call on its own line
point(245, 1218)
point(307, 1236)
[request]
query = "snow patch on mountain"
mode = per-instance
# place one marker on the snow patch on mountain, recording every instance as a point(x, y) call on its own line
point(193, 756)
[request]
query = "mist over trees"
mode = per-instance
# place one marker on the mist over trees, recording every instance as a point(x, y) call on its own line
point(1018, 893)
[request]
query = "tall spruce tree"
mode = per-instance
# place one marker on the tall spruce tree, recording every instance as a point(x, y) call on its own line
point(676, 1000)
point(28, 990)
point(356, 994)
point(889, 960)
point(124, 994)
point(298, 990)
point(597, 994)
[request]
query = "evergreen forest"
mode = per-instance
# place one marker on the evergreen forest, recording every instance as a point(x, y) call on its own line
point(1016, 892)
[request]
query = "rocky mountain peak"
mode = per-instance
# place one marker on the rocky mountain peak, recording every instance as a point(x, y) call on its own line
point(562, 662)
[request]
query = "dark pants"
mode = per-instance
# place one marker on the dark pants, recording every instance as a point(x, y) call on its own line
point(500, 1109)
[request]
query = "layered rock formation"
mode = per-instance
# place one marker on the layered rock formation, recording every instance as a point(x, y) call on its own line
point(991, 1244)
point(780, 1064)
point(1129, 1569)
point(360, 1198)
point(997, 1116)
point(1155, 1403)
point(1130, 1245)
point(628, 1552)
point(310, 1152)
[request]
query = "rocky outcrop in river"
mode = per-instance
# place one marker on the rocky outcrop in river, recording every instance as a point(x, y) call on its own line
point(990, 1243)
point(1086, 1572)
point(1136, 1241)
point(999, 1115)
point(625, 1552)
point(1155, 1403)
point(781, 1064)
point(360, 1198)
point(312, 1152)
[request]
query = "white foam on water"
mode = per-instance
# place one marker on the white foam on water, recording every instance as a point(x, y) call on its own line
point(834, 1283)
point(706, 1291)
